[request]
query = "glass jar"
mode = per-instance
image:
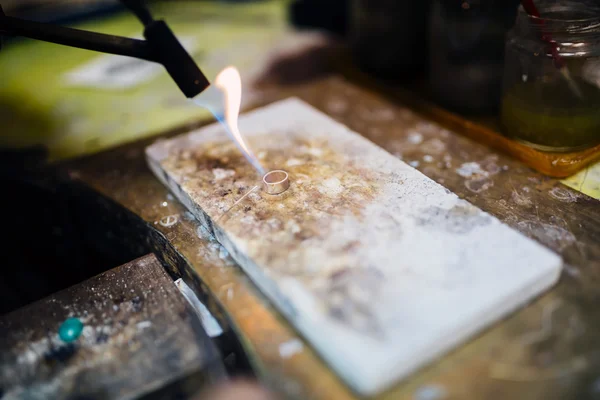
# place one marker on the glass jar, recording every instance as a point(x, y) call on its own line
point(389, 37)
point(551, 95)
point(466, 53)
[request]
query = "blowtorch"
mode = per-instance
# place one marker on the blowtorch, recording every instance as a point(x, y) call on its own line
point(161, 44)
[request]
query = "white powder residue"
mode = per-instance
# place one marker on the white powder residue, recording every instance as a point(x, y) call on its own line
point(292, 226)
point(254, 196)
point(563, 195)
point(521, 199)
point(385, 114)
point(430, 392)
point(415, 138)
point(466, 170)
point(293, 162)
point(143, 325)
point(221, 173)
point(433, 146)
point(203, 233)
point(223, 253)
point(247, 219)
point(33, 352)
point(336, 105)
point(315, 151)
point(290, 348)
point(169, 220)
point(331, 187)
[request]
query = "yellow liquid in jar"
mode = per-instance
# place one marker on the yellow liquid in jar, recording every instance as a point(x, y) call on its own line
point(549, 116)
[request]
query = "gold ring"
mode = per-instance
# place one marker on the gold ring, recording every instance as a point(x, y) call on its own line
point(276, 182)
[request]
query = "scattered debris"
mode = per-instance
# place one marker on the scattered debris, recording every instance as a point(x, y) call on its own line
point(143, 325)
point(469, 169)
point(415, 138)
point(430, 392)
point(290, 348)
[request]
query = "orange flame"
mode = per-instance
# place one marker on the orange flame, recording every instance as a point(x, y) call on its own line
point(230, 83)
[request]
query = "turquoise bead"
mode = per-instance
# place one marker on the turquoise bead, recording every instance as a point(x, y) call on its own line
point(70, 330)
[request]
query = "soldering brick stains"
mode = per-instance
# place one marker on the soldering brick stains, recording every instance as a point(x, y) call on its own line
point(379, 267)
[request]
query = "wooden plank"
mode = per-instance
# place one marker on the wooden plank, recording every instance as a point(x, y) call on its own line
point(375, 264)
point(139, 336)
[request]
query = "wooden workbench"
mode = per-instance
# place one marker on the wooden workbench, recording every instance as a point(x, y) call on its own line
point(549, 350)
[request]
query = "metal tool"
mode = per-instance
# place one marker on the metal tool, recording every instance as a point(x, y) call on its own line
point(160, 46)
